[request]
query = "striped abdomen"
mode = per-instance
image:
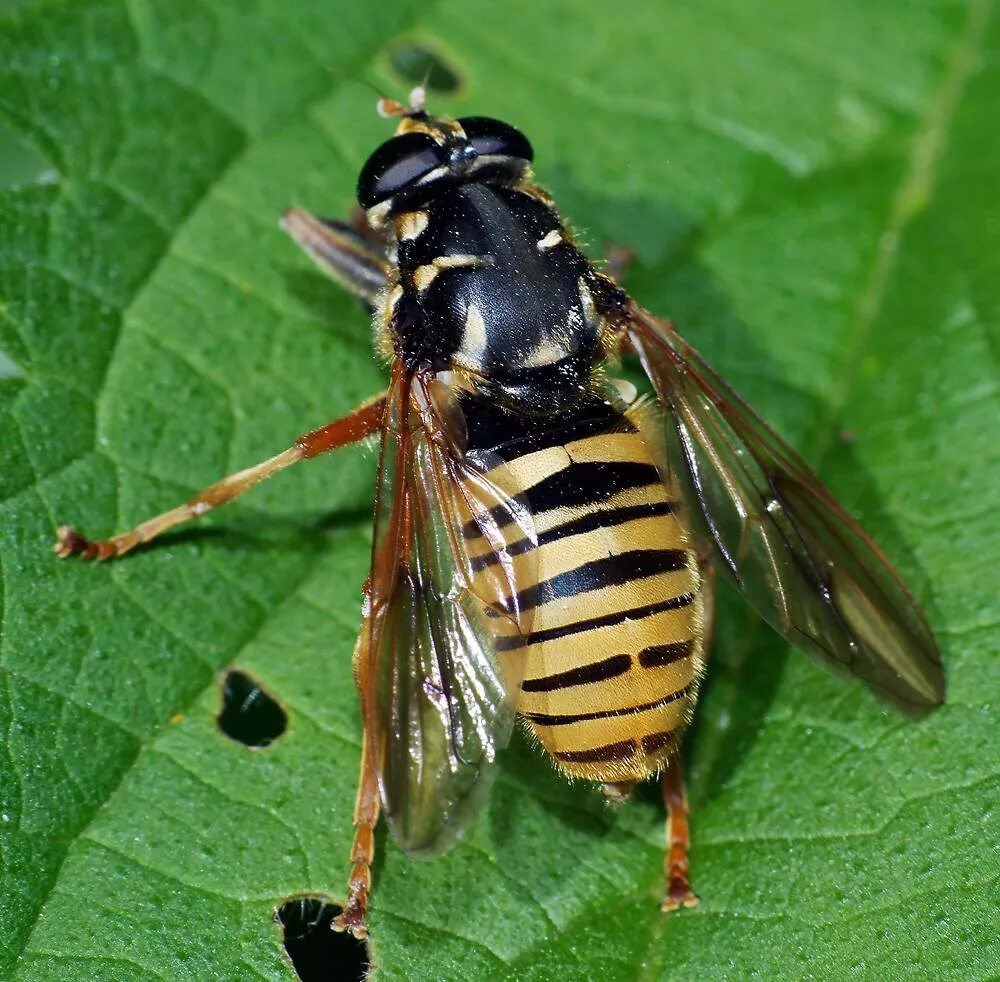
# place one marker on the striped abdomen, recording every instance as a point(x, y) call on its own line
point(611, 663)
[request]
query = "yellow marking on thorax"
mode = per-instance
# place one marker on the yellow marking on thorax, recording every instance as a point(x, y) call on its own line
point(474, 333)
point(411, 224)
point(550, 241)
point(424, 275)
point(542, 354)
point(393, 297)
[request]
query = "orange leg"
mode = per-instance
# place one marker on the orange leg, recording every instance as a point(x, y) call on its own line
point(366, 812)
point(679, 892)
point(356, 425)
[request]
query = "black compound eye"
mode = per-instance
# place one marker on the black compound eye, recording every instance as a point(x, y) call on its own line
point(491, 136)
point(396, 164)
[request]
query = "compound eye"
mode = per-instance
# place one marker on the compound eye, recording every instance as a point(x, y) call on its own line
point(491, 136)
point(396, 165)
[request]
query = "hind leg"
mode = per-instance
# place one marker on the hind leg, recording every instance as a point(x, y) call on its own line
point(675, 866)
point(676, 869)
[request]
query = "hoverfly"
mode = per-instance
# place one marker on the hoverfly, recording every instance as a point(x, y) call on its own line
point(541, 536)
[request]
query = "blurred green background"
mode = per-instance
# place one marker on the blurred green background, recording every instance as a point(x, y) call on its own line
point(19, 163)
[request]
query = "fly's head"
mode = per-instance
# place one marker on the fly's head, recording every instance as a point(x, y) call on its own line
point(429, 153)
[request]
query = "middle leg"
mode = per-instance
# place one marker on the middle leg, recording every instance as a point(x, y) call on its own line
point(356, 425)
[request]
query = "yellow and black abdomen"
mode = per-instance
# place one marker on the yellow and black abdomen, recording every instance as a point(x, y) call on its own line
point(611, 664)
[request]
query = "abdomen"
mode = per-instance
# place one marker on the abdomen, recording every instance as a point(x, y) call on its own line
point(611, 664)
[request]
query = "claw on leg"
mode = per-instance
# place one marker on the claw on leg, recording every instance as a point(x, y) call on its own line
point(351, 919)
point(69, 542)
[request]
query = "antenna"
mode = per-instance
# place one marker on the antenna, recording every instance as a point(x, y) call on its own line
point(388, 108)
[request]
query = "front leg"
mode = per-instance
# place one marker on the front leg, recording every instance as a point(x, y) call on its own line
point(356, 425)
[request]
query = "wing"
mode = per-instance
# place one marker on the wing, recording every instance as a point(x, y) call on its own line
point(799, 559)
point(435, 697)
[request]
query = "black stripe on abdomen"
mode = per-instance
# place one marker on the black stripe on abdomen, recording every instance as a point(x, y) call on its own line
point(513, 641)
point(620, 750)
point(573, 486)
point(587, 483)
point(598, 671)
point(624, 567)
point(665, 654)
point(545, 719)
point(654, 742)
point(592, 521)
point(508, 436)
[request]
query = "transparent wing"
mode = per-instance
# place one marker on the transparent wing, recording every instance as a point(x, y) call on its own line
point(435, 696)
point(800, 560)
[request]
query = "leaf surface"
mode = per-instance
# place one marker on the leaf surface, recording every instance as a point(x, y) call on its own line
point(810, 192)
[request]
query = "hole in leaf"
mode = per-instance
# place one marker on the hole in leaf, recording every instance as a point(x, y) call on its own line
point(249, 715)
point(420, 64)
point(20, 163)
point(318, 953)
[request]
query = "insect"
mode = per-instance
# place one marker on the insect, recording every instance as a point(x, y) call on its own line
point(543, 539)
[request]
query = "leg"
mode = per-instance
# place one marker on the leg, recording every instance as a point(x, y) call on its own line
point(356, 425)
point(679, 893)
point(676, 865)
point(366, 812)
point(350, 253)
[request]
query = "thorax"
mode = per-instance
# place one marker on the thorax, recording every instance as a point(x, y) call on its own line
point(489, 283)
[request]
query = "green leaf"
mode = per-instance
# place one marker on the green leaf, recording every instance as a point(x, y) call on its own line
point(810, 189)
